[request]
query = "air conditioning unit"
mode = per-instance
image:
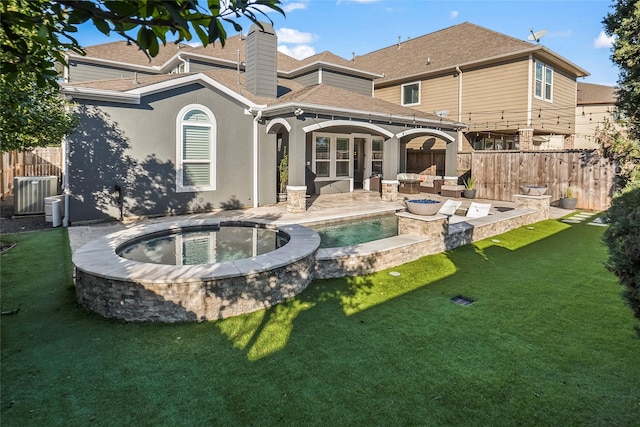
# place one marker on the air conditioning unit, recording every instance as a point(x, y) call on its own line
point(29, 193)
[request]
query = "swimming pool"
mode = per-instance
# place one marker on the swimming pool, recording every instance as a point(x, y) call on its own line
point(354, 232)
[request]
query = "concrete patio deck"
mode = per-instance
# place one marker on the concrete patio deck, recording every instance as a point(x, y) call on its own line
point(319, 208)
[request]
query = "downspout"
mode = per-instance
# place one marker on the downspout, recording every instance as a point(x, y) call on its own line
point(65, 181)
point(256, 119)
point(459, 71)
point(185, 62)
point(65, 176)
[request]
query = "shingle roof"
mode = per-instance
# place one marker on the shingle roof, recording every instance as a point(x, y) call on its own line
point(323, 96)
point(331, 96)
point(446, 48)
point(125, 53)
point(122, 51)
point(589, 93)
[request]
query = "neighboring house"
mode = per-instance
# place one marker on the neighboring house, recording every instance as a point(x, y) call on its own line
point(512, 94)
point(596, 104)
point(152, 143)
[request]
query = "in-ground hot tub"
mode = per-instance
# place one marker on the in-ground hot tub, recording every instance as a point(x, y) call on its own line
point(116, 287)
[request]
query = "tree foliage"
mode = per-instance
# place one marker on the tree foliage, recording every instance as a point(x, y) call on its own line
point(32, 115)
point(36, 34)
point(624, 24)
point(623, 146)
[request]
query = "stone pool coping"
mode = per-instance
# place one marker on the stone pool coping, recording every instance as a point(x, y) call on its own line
point(100, 259)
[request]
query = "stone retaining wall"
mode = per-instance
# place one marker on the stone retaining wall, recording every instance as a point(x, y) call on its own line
point(369, 257)
point(206, 300)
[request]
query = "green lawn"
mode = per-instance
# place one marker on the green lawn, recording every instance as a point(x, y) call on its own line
point(548, 341)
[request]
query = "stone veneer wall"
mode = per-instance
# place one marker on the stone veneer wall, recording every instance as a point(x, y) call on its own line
point(206, 300)
point(296, 198)
point(538, 203)
point(390, 190)
point(369, 257)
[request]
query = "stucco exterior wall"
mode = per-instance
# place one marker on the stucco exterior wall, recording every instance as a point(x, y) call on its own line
point(134, 146)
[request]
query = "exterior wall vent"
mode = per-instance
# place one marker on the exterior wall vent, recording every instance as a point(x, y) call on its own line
point(261, 69)
point(29, 193)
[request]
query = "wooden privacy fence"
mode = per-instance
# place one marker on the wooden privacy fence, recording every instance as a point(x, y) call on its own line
point(39, 162)
point(499, 174)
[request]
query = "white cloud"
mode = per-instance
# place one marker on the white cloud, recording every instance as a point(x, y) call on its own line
point(603, 41)
point(290, 7)
point(454, 14)
point(289, 35)
point(300, 51)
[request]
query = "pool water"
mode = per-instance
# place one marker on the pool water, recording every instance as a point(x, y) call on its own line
point(358, 231)
point(208, 246)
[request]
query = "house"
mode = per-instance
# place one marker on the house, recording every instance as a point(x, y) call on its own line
point(595, 105)
point(193, 131)
point(512, 94)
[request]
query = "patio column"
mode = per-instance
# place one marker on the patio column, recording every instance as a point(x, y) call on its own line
point(391, 159)
point(297, 153)
point(451, 159)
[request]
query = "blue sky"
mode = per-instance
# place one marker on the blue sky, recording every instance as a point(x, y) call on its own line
point(343, 27)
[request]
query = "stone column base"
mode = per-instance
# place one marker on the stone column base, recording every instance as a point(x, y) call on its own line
point(296, 198)
point(390, 190)
point(538, 203)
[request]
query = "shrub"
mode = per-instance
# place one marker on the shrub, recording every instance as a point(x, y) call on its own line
point(623, 240)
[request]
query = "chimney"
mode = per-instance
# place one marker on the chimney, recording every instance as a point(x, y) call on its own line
point(261, 69)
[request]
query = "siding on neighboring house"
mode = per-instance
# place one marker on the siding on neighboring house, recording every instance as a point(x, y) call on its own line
point(82, 72)
point(389, 94)
point(352, 83)
point(486, 92)
point(196, 66)
point(562, 108)
point(496, 95)
point(308, 79)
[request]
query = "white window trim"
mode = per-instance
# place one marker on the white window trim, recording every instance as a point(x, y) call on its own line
point(333, 137)
point(419, 83)
point(180, 188)
point(545, 67)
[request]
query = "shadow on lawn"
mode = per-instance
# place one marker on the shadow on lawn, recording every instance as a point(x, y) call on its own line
point(266, 332)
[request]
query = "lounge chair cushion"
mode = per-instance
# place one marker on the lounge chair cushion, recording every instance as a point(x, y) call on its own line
point(449, 207)
point(478, 210)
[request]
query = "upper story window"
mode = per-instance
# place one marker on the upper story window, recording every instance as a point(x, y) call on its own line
point(196, 148)
point(544, 82)
point(411, 93)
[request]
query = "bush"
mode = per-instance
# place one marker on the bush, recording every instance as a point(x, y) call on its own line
point(623, 240)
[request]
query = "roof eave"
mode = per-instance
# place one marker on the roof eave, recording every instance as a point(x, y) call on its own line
point(511, 55)
point(146, 68)
point(137, 93)
point(360, 114)
point(322, 64)
point(101, 95)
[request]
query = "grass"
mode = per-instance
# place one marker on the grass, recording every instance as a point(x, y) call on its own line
point(547, 341)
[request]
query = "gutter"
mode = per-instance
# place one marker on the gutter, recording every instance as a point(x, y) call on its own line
point(257, 116)
point(366, 115)
point(101, 95)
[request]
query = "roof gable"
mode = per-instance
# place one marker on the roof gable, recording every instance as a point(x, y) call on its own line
point(462, 44)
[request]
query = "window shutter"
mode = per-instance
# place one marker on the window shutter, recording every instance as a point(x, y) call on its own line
point(196, 143)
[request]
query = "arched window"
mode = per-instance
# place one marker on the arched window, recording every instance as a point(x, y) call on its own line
point(196, 149)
